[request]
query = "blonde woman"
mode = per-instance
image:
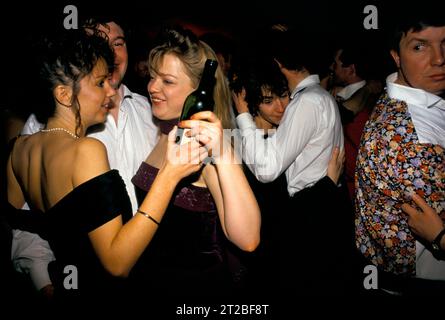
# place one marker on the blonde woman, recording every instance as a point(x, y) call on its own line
point(215, 204)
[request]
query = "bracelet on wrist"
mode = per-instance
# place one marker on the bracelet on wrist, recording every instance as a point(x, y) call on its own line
point(148, 216)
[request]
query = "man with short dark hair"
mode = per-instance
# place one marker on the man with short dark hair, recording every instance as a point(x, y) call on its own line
point(355, 100)
point(301, 148)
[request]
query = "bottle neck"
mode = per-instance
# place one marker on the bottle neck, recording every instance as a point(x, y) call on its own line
point(207, 81)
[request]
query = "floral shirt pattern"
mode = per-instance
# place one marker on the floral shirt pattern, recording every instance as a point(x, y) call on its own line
point(391, 165)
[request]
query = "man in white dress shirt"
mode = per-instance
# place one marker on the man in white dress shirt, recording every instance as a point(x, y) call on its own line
point(128, 134)
point(301, 147)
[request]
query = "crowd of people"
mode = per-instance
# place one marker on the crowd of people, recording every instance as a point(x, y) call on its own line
point(327, 168)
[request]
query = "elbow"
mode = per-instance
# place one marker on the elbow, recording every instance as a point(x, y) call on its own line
point(268, 176)
point(264, 173)
point(118, 271)
point(266, 179)
point(250, 246)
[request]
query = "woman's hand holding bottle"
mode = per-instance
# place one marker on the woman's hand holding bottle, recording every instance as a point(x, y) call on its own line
point(183, 160)
point(207, 129)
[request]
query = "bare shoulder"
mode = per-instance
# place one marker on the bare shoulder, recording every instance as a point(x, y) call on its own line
point(20, 142)
point(19, 148)
point(90, 160)
point(88, 145)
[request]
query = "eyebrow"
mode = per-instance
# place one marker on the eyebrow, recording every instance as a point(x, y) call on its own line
point(166, 74)
point(118, 38)
point(418, 40)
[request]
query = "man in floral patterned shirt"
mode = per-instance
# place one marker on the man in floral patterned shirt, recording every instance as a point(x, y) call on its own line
point(402, 152)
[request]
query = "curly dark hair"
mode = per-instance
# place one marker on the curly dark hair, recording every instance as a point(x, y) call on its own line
point(256, 76)
point(65, 59)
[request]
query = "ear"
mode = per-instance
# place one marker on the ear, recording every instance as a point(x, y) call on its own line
point(352, 69)
point(63, 95)
point(396, 57)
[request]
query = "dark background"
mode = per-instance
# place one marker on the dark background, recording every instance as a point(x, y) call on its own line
point(330, 21)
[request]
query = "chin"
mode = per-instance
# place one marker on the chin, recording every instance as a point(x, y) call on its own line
point(163, 116)
point(437, 90)
point(102, 118)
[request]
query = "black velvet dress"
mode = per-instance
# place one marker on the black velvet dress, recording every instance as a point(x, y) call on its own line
point(77, 274)
point(186, 256)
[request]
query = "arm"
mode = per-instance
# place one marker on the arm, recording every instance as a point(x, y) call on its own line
point(267, 159)
point(237, 207)
point(31, 255)
point(336, 164)
point(119, 246)
point(424, 221)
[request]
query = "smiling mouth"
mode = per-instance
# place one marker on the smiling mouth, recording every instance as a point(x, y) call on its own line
point(156, 100)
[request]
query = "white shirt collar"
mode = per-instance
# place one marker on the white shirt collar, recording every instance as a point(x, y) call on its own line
point(415, 96)
point(126, 93)
point(306, 82)
point(350, 89)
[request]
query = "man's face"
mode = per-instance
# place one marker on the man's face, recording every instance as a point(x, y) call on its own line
point(338, 69)
point(272, 106)
point(421, 60)
point(117, 42)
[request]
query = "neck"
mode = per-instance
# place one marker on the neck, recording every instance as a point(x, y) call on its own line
point(167, 125)
point(64, 124)
point(296, 77)
point(117, 99)
point(354, 79)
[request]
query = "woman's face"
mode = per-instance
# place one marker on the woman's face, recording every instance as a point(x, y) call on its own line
point(168, 88)
point(94, 95)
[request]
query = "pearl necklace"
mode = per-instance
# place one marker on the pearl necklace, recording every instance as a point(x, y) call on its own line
point(61, 129)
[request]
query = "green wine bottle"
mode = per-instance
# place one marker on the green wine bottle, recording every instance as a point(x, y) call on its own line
point(199, 100)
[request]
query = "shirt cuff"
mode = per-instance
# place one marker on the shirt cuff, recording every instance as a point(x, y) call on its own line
point(39, 275)
point(245, 121)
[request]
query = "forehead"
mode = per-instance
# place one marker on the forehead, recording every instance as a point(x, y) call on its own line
point(100, 69)
point(429, 33)
point(112, 30)
point(170, 64)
